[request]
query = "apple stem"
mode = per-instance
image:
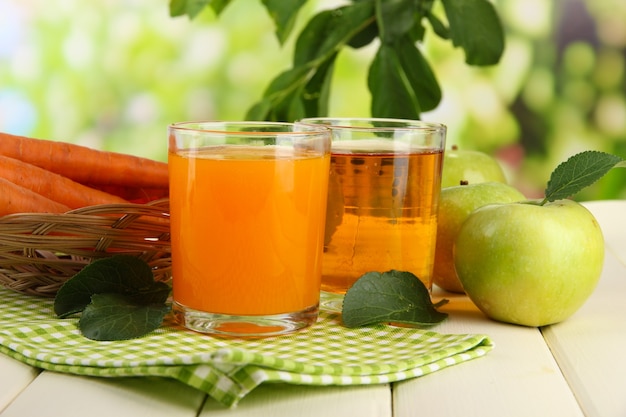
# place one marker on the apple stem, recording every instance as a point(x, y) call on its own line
point(441, 303)
point(537, 202)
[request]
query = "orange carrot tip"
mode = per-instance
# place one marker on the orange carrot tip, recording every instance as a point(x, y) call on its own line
point(17, 199)
point(86, 165)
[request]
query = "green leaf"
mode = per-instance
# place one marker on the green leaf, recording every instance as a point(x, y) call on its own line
point(260, 110)
point(365, 36)
point(118, 317)
point(329, 30)
point(420, 76)
point(395, 18)
point(475, 27)
point(401, 82)
point(279, 95)
point(392, 296)
point(192, 8)
point(117, 296)
point(389, 88)
point(292, 108)
point(219, 5)
point(316, 93)
point(304, 89)
point(284, 14)
point(578, 172)
point(121, 274)
point(287, 82)
point(438, 26)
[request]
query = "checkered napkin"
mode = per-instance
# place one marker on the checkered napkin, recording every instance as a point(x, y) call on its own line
point(325, 354)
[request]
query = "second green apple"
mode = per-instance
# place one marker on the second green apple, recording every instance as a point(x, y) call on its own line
point(455, 205)
point(470, 167)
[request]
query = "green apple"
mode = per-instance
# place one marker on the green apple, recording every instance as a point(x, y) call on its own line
point(529, 264)
point(470, 167)
point(455, 205)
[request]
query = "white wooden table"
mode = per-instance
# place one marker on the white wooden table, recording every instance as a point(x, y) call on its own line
point(575, 368)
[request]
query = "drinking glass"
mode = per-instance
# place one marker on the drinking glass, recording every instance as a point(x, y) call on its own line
point(383, 197)
point(247, 205)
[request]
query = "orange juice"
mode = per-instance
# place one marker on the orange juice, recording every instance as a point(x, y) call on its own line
point(382, 215)
point(247, 229)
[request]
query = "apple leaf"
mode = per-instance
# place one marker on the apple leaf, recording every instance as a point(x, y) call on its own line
point(117, 297)
point(475, 27)
point(284, 15)
point(578, 172)
point(392, 296)
point(118, 317)
point(192, 8)
point(120, 274)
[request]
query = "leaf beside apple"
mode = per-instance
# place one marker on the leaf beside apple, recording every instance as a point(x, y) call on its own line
point(536, 262)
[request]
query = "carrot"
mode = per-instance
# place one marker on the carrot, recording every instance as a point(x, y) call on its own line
point(53, 186)
point(85, 165)
point(133, 194)
point(17, 199)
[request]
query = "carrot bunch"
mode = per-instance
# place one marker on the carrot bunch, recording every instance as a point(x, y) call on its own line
point(44, 176)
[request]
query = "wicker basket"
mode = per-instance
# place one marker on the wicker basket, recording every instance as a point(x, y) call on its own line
point(39, 252)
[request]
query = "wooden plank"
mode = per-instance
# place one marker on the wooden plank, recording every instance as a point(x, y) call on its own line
point(282, 400)
point(53, 394)
point(16, 376)
point(518, 378)
point(589, 346)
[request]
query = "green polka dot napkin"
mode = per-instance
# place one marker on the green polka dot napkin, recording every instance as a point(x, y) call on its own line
point(325, 354)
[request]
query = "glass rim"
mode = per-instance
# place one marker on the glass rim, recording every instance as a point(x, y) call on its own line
point(211, 126)
point(344, 123)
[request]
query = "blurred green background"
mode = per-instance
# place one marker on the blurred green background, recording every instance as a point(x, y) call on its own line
point(113, 74)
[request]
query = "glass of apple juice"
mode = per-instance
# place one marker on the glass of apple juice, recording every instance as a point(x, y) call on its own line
point(383, 197)
point(247, 210)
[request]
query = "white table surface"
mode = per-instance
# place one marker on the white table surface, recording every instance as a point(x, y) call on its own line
point(575, 368)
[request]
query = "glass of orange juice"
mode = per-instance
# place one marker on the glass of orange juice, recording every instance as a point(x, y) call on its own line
point(383, 198)
point(247, 207)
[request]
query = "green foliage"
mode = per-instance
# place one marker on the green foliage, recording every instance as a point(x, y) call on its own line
point(578, 172)
point(474, 26)
point(392, 296)
point(284, 14)
point(119, 317)
point(112, 74)
point(191, 7)
point(117, 296)
point(400, 79)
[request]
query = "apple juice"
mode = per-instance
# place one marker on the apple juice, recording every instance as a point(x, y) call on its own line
point(381, 214)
